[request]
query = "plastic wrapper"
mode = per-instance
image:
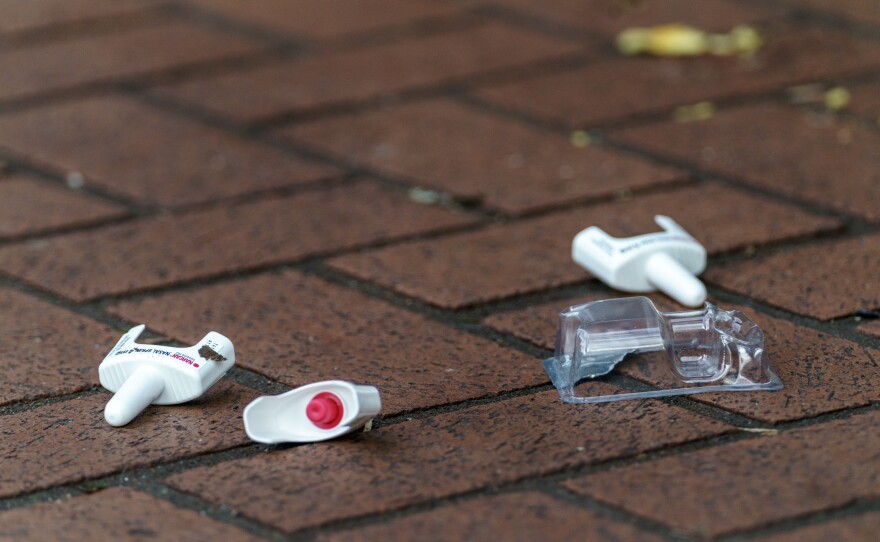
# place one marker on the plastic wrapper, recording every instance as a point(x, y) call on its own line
point(706, 350)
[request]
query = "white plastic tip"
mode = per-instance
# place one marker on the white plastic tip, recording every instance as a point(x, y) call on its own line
point(311, 413)
point(138, 391)
point(676, 281)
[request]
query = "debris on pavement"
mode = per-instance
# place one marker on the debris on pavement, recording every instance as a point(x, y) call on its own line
point(580, 139)
point(311, 413)
point(667, 261)
point(694, 112)
point(834, 98)
point(683, 40)
point(142, 374)
point(707, 350)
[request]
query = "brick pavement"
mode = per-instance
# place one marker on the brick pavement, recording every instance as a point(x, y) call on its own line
point(386, 192)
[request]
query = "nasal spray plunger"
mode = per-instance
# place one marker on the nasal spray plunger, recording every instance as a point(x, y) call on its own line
point(145, 374)
point(311, 413)
point(667, 261)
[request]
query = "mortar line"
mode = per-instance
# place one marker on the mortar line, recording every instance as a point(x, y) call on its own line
point(158, 471)
point(96, 25)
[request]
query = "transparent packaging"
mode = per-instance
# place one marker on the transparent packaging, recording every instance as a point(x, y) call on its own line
point(706, 350)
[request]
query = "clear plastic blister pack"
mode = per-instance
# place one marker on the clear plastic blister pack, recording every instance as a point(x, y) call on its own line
point(706, 350)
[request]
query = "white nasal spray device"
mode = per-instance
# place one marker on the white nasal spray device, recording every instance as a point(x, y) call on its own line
point(145, 374)
point(311, 413)
point(668, 261)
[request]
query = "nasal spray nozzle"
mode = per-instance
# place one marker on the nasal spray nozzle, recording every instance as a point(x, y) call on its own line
point(141, 374)
point(668, 261)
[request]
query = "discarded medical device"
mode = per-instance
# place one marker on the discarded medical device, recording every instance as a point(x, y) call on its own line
point(668, 261)
point(144, 374)
point(706, 350)
point(311, 413)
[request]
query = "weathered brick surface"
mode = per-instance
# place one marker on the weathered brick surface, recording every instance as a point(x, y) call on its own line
point(451, 453)
point(616, 88)
point(46, 350)
point(863, 11)
point(749, 483)
point(871, 328)
point(320, 81)
point(28, 206)
point(531, 255)
point(821, 373)
point(313, 20)
point(173, 248)
point(113, 514)
point(311, 330)
point(525, 516)
point(824, 281)
point(865, 101)
point(148, 154)
point(67, 442)
point(68, 63)
point(502, 163)
point(861, 528)
point(611, 17)
point(797, 153)
point(25, 16)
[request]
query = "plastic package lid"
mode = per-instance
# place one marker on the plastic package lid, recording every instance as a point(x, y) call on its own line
point(312, 413)
point(667, 261)
point(706, 350)
point(141, 375)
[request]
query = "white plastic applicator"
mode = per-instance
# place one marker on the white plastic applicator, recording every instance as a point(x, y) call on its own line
point(667, 261)
point(311, 413)
point(141, 375)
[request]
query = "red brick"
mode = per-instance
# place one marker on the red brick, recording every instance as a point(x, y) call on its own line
point(871, 328)
point(28, 206)
point(797, 153)
point(749, 483)
point(865, 101)
point(526, 517)
point(46, 350)
point(172, 248)
point(324, 80)
point(616, 88)
point(69, 63)
point(166, 160)
point(824, 281)
point(505, 164)
point(530, 255)
point(67, 442)
point(862, 528)
point(312, 19)
point(423, 459)
point(821, 373)
point(24, 16)
point(610, 17)
point(862, 11)
point(117, 513)
point(310, 330)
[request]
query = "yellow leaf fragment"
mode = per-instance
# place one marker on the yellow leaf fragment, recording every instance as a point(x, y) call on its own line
point(837, 98)
point(694, 112)
point(667, 40)
point(682, 40)
point(580, 139)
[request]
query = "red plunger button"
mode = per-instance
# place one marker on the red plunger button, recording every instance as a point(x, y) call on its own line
point(325, 410)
